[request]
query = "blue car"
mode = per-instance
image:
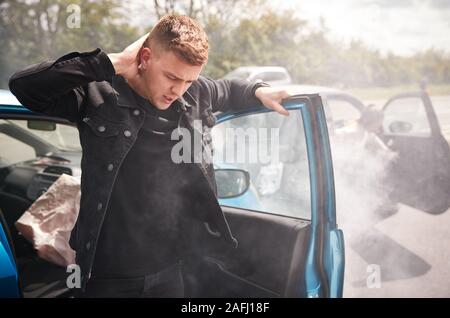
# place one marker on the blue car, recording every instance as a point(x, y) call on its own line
point(280, 207)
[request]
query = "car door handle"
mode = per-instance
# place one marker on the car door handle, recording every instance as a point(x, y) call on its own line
point(210, 231)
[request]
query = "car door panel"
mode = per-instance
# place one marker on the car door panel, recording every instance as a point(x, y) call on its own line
point(266, 262)
point(270, 249)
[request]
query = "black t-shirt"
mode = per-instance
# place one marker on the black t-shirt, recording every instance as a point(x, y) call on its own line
point(141, 231)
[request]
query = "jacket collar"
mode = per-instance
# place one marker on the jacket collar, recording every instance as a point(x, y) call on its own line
point(124, 94)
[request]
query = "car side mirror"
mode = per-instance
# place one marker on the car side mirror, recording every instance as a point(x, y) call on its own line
point(41, 125)
point(231, 182)
point(400, 127)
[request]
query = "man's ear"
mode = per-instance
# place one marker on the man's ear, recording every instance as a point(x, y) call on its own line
point(145, 54)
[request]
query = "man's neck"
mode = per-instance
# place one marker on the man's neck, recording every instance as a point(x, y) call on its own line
point(136, 85)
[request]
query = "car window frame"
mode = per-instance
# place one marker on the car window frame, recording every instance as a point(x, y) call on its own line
point(433, 122)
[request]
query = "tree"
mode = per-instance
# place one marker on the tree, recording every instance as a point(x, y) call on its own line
point(270, 39)
point(37, 30)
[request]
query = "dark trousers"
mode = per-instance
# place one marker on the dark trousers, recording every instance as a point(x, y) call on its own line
point(167, 283)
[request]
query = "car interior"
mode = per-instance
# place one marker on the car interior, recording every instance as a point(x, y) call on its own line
point(20, 184)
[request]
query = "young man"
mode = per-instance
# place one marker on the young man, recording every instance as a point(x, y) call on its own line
point(141, 214)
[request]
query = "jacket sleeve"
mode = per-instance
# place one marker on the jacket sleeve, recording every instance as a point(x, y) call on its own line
point(231, 95)
point(55, 88)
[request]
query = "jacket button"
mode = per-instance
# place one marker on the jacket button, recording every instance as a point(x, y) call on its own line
point(110, 167)
point(99, 206)
point(88, 246)
point(101, 128)
point(136, 112)
point(127, 133)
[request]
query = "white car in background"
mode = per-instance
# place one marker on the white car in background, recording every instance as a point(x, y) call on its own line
point(273, 75)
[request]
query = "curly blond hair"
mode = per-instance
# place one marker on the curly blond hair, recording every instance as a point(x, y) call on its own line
point(182, 35)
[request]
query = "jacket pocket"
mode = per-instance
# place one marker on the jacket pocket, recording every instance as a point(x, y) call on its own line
point(100, 141)
point(102, 127)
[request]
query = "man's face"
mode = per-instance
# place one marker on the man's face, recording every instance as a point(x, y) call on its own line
point(166, 76)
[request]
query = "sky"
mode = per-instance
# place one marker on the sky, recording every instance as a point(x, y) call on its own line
point(403, 27)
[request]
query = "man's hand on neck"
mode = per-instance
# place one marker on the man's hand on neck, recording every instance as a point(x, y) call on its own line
point(126, 64)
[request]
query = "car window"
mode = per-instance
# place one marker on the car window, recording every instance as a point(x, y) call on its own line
point(406, 116)
point(64, 137)
point(272, 148)
point(12, 150)
point(344, 114)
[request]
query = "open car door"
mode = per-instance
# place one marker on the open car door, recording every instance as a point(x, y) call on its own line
point(289, 244)
point(420, 175)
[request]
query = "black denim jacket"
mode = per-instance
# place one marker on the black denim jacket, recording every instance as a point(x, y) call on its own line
point(83, 88)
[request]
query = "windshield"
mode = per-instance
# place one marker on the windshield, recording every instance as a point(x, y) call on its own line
point(63, 137)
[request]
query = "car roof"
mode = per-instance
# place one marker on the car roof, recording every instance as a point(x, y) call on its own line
point(7, 98)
